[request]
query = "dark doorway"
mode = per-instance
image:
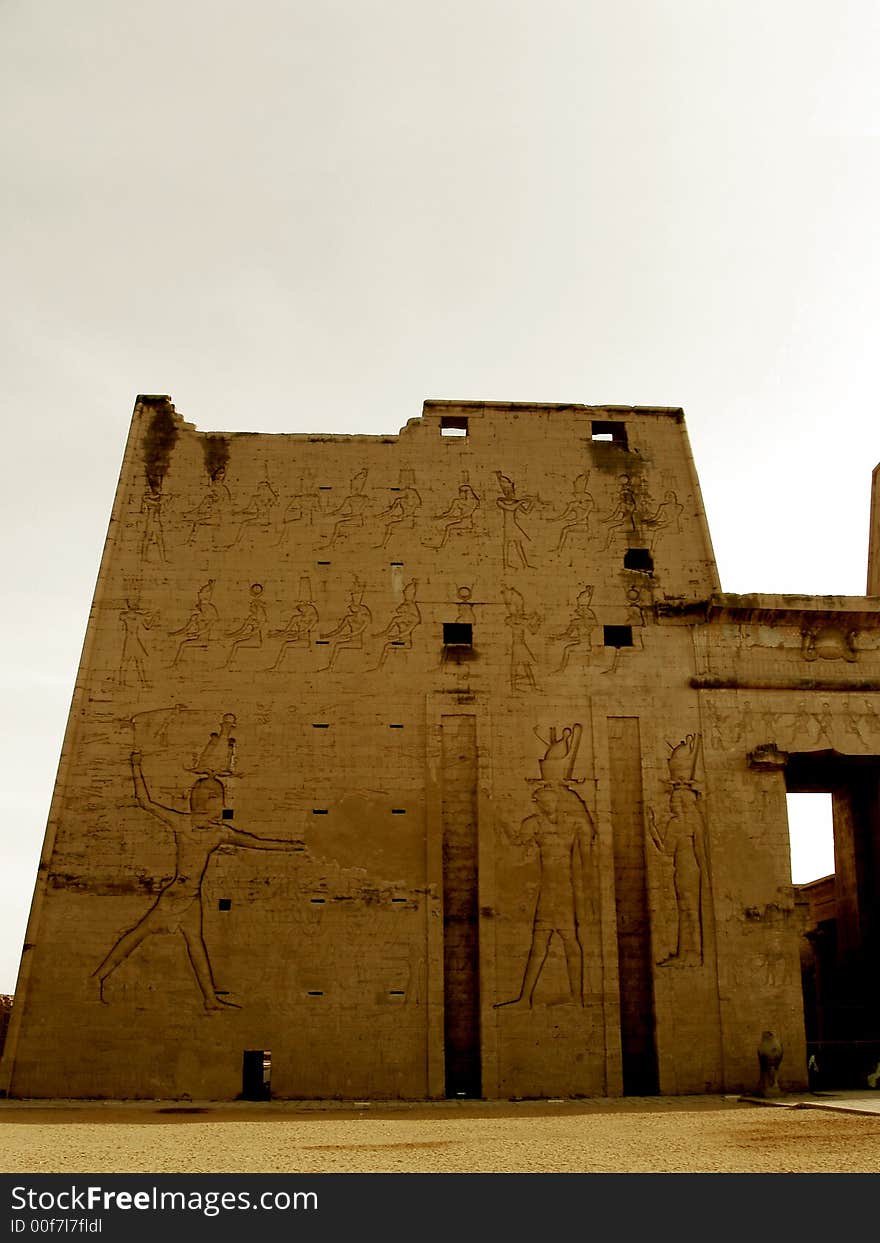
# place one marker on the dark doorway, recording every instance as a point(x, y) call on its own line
point(256, 1075)
point(461, 979)
point(840, 957)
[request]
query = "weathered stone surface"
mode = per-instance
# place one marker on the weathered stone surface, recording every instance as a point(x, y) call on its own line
point(541, 853)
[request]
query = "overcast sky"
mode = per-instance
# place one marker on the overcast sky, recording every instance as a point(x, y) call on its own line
point(300, 215)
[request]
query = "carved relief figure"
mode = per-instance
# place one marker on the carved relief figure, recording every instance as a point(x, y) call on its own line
point(257, 514)
point(300, 508)
point(398, 633)
point(667, 514)
point(400, 514)
point(465, 611)
point(513, 535)
point(575, 517)
point(198, 628)
point(302, 621)
point(458, 515)
point(522, 659)
point(214, 508)
point(562, 831)
point(178, 908)
point(153, 539)
point(578, 634)
point(625, 515)
point(349, 634)
point(217, 758)
point(250, 632)
point(134, 622)
point(350, 514)
point(682, 839)
point(821, 642)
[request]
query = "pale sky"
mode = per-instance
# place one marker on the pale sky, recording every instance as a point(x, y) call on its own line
point(301, 215)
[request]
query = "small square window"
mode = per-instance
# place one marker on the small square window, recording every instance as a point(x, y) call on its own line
point(638, 559)
point(458, 634)
point(451, 425)
point(618, 636)
point(224, 904)
point(613, 432)
point(228, 813)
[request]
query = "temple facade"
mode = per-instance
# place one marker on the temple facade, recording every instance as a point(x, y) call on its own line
point(439, 765)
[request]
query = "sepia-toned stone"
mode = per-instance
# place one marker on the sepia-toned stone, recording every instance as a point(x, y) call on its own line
point(438, 765)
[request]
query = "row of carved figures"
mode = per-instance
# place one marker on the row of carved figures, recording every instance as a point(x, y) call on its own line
point(263, 516)
point(302, 631)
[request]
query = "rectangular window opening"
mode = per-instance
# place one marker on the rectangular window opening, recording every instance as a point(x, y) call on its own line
point(323, 563)
point(320, 725)
point(398, 811)
point(811, 834)
point(228, 813)
point(618, 636)
point(458, 634)
point(398, 899)
point(613, 432)
point(224, 904)
point(319, 811)
point(638, 559)
point(314, 992)
point(453, 425)
point(318, 901)
point(395, 727)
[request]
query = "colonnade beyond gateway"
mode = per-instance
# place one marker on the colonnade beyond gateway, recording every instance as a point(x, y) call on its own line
point(439, 765)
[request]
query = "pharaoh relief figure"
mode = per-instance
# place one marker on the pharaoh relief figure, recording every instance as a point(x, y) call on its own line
point(561, 830)
point(578, 634)
point(513, 535)
point(351, 513)
point(197, 833)
point(681, 838)
point(401, 513)
point(399, 631)
point(349, 634)
point(522, 659)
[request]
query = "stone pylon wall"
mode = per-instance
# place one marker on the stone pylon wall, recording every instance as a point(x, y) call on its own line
point(289, 817)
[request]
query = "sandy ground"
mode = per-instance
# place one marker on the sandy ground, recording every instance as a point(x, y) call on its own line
point(635, 1135)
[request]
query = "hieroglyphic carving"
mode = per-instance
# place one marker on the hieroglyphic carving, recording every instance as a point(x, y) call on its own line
point(823, 642)
point(215, 507)
point(257, 513)
point(349, 634)
point(625, 515)
point(134, 652)
point(513, 535)
point(574, 518)
point(217, 757)
point(300, 508)
point(578, 634)
point(153, 538)
point(562, 831)
point(522, 659)
point(198, 833)
point(198, 627)
point(398, 633)
point(400, 514)
point(682, 839)
point(667, 515)
point(458, 516)
point(250, 633)
point(351, 513)
point(297, 631)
